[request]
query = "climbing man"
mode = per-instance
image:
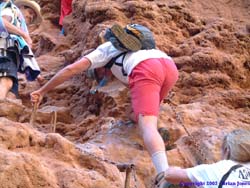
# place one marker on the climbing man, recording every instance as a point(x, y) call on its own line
point(15, 50)
point(31, 11)
point(231, 172)
point(150, 74)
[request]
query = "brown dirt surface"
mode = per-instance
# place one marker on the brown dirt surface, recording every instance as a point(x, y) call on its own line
point(208, 40)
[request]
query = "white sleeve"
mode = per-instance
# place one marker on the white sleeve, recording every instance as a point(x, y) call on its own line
point(198, 173)
point(102, 55)
point(7, 12)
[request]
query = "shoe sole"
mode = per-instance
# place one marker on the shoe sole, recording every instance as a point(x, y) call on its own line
point(128, 41)
point(164, 134)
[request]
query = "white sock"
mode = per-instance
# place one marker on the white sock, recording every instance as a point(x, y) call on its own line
point(160, 162)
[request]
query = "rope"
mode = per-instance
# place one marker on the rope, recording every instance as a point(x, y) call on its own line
point(122, 167)
point(192, 139)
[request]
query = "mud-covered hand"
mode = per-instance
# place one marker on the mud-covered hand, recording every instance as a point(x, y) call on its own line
point(36, 97)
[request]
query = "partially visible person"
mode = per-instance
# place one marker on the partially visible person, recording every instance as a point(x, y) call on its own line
point(66, 9)
point(149, 73)
point(30, 10)
point(231, 172)
point(32, 14)
point(15, 50)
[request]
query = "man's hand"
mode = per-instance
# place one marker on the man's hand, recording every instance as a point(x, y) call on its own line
point(176, 175)
point(36, 97)
point(59, 78)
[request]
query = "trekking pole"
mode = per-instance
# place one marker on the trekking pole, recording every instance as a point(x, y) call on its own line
point(53, 121)
point(33, 114)
point(128, 176)
point(128, 169)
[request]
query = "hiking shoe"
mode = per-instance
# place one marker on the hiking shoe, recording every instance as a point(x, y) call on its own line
point(160, 181)
point(164, 134)
point(168, 140)
point(128, 41)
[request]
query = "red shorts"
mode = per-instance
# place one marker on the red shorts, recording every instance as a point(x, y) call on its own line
point(149, 83)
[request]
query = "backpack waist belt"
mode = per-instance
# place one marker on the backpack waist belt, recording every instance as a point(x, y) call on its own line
point(5, 44)
point(3, 52)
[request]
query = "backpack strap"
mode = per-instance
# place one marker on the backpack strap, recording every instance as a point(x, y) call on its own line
point(224, 178)
point(113, 61)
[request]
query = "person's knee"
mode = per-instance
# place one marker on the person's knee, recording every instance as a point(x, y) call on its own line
point(147, 123)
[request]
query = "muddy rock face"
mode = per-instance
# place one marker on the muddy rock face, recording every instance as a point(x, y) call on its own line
point(79, 139)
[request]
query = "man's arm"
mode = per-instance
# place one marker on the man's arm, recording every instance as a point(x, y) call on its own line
point(176, 175)
point(63, 75)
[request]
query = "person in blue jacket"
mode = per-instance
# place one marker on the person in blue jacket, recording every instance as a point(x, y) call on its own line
point(15, 49)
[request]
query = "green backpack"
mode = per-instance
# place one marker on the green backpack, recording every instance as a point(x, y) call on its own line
point(132, 38)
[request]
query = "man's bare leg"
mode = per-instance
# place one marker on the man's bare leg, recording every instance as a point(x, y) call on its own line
point(153, 141)
point(6, 84)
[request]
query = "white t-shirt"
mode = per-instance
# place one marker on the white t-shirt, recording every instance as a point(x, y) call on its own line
point(105, 52)
point(210, 175)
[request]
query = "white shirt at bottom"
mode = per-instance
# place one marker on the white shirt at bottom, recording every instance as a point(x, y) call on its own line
point(209, 175)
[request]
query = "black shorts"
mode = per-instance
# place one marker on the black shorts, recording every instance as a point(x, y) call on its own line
point(8, 68)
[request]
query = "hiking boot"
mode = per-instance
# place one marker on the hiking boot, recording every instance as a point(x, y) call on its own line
point(160, 181)
point(167, 137)
point(164, 134)
point(129, 42)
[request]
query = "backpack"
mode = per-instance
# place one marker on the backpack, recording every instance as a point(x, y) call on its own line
point(132, 38)
point(144, 35)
